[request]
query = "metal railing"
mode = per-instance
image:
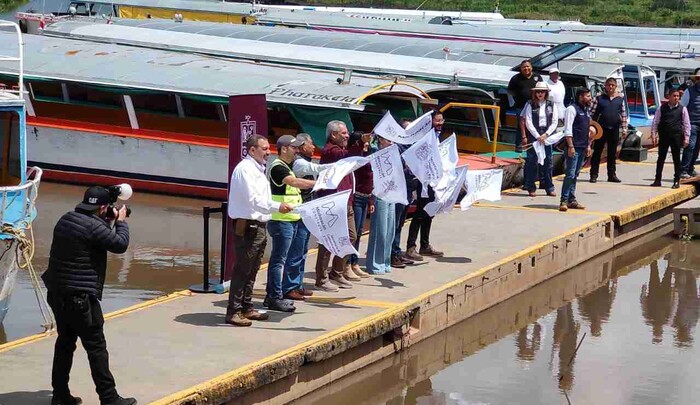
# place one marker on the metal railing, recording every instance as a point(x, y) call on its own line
point(18, 58)
point(497, 121)
point(27, 193)
point(209, 285)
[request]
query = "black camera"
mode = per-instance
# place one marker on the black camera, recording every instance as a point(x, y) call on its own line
point(119, 192)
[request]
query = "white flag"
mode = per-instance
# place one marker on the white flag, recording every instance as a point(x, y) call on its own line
point(387, 171)
point(448, 154)
point(445, 202)
point(482, 185)
point(388, 128)
point(550, 140)
point(423, 158)
point(331, 177)
point(327, 219)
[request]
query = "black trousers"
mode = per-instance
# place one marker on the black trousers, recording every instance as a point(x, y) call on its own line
point(80, 316)
point(250, 248)
point(421, 221)
point(611, 137)
point(675, 142)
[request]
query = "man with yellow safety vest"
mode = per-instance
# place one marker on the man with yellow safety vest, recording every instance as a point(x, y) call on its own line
point(282, 227)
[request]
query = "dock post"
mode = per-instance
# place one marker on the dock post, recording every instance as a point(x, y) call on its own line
point(207, 286)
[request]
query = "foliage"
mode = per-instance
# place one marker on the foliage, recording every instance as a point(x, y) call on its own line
point(668, 13)
point(8, 5)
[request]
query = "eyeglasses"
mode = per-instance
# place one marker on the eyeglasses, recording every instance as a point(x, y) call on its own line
point(540, 91)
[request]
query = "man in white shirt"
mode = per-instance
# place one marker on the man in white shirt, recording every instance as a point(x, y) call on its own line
point(250, 205)
point(557, 92)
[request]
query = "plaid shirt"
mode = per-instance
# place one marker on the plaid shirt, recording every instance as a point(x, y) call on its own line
point(623, 113)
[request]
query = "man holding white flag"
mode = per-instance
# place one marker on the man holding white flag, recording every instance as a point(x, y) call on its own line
point(424, 160)
point(335, 150)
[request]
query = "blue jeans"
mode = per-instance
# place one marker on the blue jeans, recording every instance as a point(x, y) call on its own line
point(690, 154)
point(293, 276)
point(282, 234)
point(545, 171)
point(399, 217)
point(381, 236)
point(572, 167)
point(360, 205)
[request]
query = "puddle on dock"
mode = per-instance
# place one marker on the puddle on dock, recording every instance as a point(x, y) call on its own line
point(638, 308)
point(165, 253)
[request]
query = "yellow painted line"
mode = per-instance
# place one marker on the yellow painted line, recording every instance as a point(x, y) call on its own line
point(371, 303)
point(552, 210)
point(251, 367)
point(637, 211)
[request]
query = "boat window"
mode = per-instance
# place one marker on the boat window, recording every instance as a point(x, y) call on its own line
point(672, 81)
point(80, 8)
point(198, 109)
point(159, 103)
point(79, 94)
point(633, 93)
point(46, 91)
point(650, 94)
point(10, 170)
point(101, 8)
point(554, 55)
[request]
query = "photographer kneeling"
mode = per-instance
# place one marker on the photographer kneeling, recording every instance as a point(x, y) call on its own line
point(74, 280)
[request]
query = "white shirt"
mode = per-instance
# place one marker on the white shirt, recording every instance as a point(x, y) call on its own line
point(557, 92)
point(303, 167)
point(527, 112)
point(569, 120)
point(250, 196)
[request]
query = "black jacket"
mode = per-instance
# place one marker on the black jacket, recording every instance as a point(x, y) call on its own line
point(78, 259)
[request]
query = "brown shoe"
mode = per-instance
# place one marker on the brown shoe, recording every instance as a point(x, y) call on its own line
point(405, 259)
point(429, 251)
point(340, 280)
point(397, 263)
point(575, 205)
point(349, 274)
point(295, 296)
point(238, 320)
point(563, 207)
point(358, 271)
point(305, 292)
point(413, 255)
point(551, 193)
point(531, 193)
point(326, 286)
point(255, 315)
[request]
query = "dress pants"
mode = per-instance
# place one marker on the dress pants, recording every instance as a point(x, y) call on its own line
point(421, 221)
point(675, 143)
point(611, 137)
point(250, 248)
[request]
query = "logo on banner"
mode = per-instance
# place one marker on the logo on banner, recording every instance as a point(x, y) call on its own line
point(248, 128)
point(330, 217)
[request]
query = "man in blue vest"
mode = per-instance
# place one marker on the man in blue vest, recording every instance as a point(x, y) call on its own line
point(691, 100)
point(282, 227)
point(609, 111)
point(577, 119)
point(670, 128)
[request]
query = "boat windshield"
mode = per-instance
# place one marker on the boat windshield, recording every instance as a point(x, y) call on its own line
point(10, 163)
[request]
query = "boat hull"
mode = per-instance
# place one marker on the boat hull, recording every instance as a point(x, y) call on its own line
point(8, 274)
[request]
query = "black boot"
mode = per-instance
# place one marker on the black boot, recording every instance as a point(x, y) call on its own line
point(121, 401)
point(676, 184)
point(69, 400)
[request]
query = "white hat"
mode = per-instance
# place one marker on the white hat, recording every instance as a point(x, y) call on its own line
point(540, 86)
point(553, 70)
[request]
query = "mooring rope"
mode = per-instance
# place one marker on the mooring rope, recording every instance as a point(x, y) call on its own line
point(25, 251)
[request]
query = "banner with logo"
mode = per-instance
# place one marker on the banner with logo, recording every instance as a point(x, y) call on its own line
point(389, 179)
point(388, 128)
point(482, 185)
point(327, 219)
point(550, 140)
point(423, 158)
point(330, 178)
point(449, 154)
point(247, 115)
point(447, 198)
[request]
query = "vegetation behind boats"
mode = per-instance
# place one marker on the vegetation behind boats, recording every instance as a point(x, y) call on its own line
point(8, 5)
point(669, 13)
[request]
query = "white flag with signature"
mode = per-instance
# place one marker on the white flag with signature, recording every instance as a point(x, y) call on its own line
point(449, 154)
point(331, 177)
point(423, 158)
point(388, 128)
point(482, 185)
point(327, 219)
point(446, 199)
point(387, 172)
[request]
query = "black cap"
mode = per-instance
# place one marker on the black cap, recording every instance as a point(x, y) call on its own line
point(94, 198)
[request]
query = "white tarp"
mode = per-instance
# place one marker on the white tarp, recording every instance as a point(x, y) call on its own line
point(327, 219)
point(331, 177)
point(388, 128)
point(550, 140)
point(423, 158)
point(387, 172)
point(482, 185)
point(448, 197)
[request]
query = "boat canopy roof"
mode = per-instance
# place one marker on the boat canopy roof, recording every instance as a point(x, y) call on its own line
point(127, 67)
point(199, 5)
point(399, 55)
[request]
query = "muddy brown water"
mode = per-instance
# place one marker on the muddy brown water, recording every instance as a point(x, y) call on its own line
point(633, 311)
